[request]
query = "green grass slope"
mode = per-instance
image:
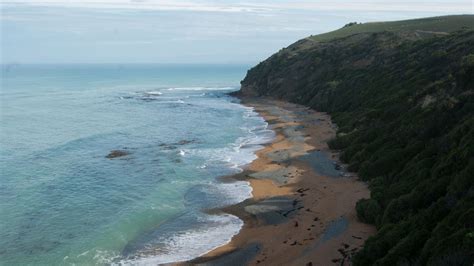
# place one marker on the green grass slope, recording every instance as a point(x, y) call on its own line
point(435, 25)
point(404, 103)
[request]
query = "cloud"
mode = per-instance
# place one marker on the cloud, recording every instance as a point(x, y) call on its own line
point(158, 5)
point(464, 6)
point(266, 6)
point(182, 31)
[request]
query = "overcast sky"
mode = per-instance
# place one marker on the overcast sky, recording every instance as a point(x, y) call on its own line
point(193, 31)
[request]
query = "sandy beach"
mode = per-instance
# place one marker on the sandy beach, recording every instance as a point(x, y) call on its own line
point(303, 206)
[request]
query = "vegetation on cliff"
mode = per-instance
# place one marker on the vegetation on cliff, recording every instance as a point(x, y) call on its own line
point(402, 94)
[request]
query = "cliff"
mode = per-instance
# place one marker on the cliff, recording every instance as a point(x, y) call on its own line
point(402, 94)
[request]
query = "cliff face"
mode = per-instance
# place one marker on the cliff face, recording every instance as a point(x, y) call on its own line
point(404, 104)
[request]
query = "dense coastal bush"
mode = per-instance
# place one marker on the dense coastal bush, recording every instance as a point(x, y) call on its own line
point(404, 104)
point(368, 210)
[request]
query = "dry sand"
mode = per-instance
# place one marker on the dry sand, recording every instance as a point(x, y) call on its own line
point(303, 206)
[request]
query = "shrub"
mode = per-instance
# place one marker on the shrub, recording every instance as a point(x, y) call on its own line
point(368, 210)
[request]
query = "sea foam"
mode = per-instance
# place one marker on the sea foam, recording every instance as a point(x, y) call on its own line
point(202, 232)
point(188, 244)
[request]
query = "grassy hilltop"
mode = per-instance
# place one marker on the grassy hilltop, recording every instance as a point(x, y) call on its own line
point(434, 25)
point(402, 94)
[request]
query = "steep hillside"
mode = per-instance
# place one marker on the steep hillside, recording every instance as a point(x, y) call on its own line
point(403, 98)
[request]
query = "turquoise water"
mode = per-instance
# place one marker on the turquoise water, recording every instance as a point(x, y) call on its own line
point(63, 202)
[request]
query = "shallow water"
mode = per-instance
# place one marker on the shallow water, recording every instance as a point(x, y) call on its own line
point(323, 164)
point(63, 202)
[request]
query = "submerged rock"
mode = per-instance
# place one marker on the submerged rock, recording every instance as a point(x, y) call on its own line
point(185, 141)
point(117, 153)
point(172, 146)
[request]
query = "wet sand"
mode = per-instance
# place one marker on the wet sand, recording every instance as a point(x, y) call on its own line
point(303, 206)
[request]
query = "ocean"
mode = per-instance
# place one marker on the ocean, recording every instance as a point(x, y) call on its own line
point(63, 202)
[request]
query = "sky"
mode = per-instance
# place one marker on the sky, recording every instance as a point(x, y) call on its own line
point(189, 31)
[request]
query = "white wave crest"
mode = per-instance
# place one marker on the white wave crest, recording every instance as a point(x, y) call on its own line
point(196, 242)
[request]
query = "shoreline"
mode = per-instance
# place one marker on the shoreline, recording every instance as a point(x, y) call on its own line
point(302, 209)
